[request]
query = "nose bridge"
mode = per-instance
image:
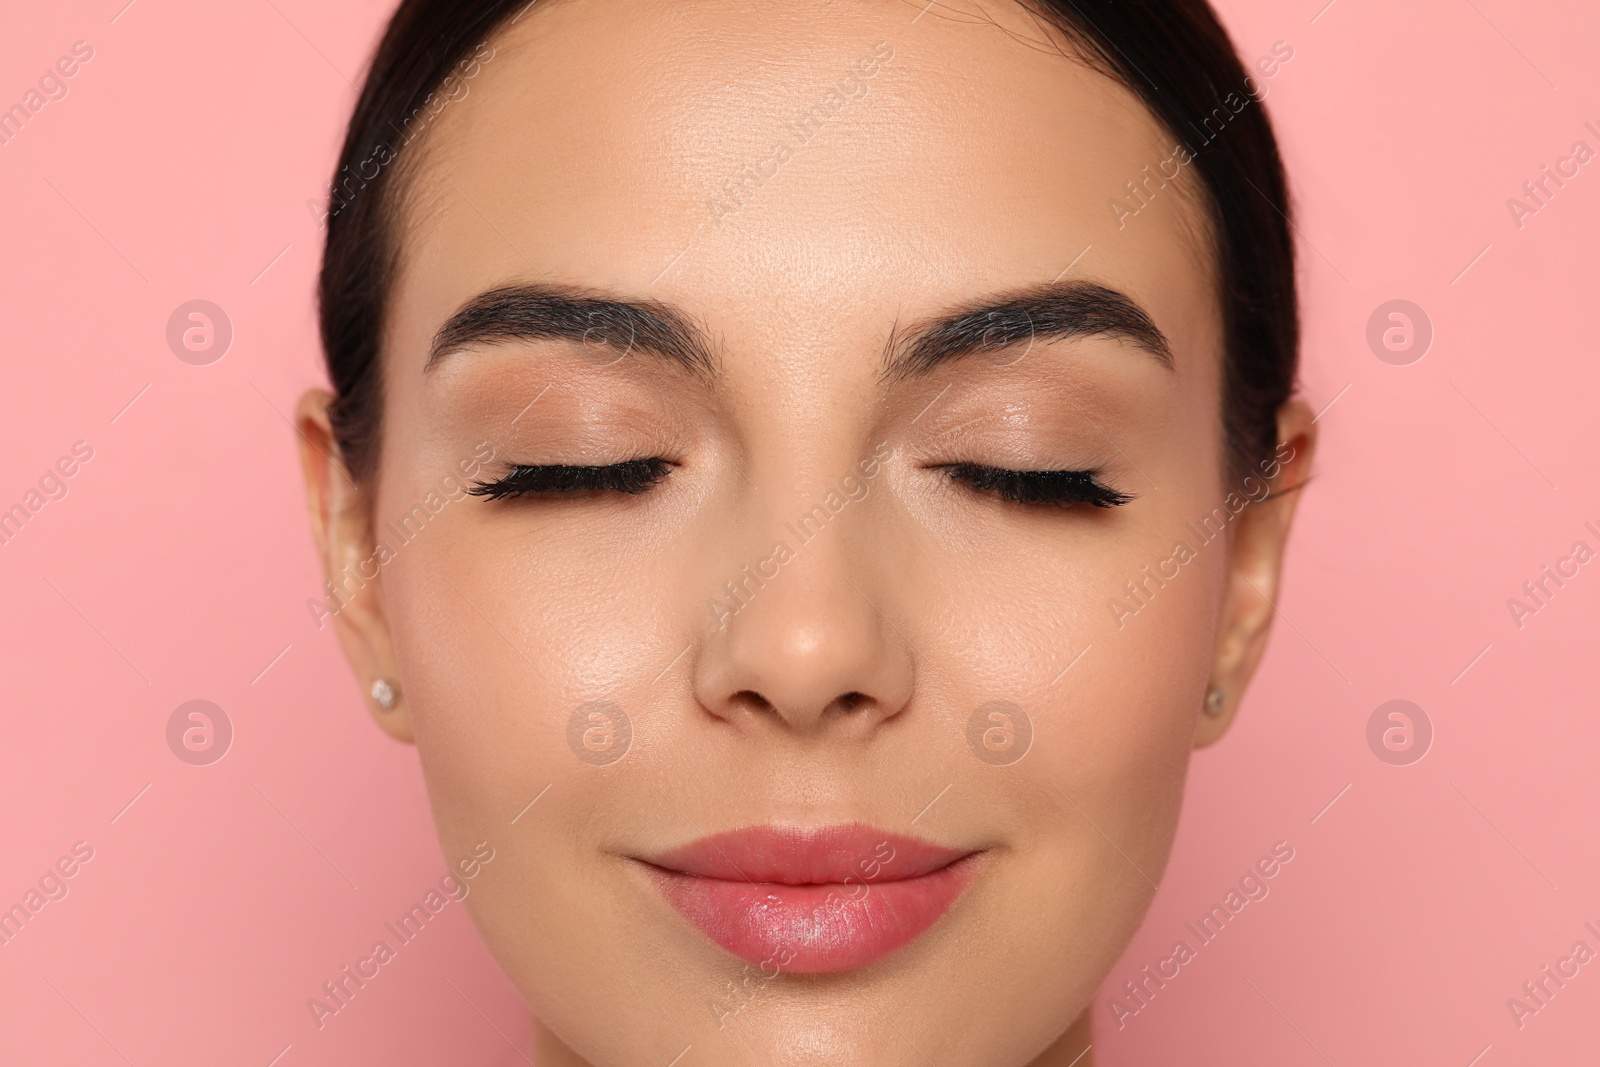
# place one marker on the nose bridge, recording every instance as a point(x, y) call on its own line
point(798, 636)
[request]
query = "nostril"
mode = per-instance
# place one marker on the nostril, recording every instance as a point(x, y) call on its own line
point(754, 702)
point(751, 700)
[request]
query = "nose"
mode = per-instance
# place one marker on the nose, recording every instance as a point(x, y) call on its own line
point(803, 640)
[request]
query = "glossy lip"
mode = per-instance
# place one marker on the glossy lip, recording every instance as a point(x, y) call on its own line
point(812, 900)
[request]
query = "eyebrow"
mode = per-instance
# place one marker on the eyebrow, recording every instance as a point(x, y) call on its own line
point(1041, 312)
point(538, 312)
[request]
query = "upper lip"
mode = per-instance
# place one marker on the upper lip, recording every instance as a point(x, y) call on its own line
point(797, 855)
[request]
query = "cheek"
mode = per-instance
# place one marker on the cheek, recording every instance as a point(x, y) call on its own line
point(527, 655)
point(492, 704)
point(1091, 809)
point(1111, 708)
point(501, 651)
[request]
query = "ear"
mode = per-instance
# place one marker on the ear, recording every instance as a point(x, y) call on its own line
point(342, 526)
point(1255, 565)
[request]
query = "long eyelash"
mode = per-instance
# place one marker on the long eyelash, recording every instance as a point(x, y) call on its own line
point(1062, 488)
point(630, 476)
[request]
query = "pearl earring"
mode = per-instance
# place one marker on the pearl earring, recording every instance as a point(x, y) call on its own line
point(385, 694)
point(1214, 701)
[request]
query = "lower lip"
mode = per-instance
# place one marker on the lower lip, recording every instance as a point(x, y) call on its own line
point(814, 929)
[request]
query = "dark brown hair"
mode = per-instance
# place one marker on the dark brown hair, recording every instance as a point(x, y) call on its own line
point(1173, 54)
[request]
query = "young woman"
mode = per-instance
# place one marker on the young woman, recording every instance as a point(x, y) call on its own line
point(806, 477)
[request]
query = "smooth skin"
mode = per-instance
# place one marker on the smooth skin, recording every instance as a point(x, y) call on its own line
point(977, 161)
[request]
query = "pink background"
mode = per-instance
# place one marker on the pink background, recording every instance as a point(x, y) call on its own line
point(178, 566)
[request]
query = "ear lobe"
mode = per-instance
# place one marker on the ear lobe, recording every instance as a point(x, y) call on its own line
point(341, 525)
point(1255, 566)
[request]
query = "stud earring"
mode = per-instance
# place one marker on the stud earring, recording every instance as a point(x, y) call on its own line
point(1214, 701)
point(385, 694)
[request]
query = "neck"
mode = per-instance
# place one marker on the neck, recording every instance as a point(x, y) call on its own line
point(1071, 1049)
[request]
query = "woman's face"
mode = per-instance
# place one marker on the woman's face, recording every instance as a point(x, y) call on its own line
point(823, 274)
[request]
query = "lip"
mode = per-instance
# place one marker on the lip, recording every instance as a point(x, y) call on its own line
point(812, 900)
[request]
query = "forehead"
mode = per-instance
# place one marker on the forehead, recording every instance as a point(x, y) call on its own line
point(837, 162)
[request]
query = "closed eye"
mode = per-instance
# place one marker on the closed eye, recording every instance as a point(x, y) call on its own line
point(631, 476)
point(1060, 488)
